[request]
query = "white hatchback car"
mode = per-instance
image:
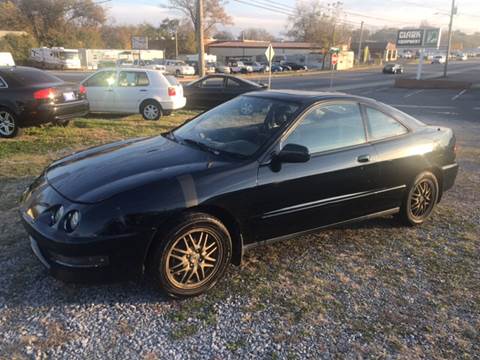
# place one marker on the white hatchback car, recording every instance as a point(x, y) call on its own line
point(134, 90)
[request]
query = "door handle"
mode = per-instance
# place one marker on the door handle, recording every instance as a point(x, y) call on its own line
point(363, 158)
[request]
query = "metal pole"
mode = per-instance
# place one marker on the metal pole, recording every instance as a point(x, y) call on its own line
point(269, 74)
point(201, 55)
point(359, 55)
point(449, 44)
point(420, 64)
point(176, 44)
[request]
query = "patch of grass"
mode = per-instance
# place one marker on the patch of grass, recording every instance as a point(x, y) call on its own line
point(30, 152)
point(236, 345)
point(183, 331)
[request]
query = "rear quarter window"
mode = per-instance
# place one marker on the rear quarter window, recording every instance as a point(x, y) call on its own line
point(3, 84)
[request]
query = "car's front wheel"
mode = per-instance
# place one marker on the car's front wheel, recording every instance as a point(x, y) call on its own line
point(192, 256)
point(420, 199)
point(8, 124)
point(151, 110)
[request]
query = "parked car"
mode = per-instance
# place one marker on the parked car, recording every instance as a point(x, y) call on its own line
point(238, 67)
point(393, 69)
point(222, 69)
point(155, 64)
point(461, 57)
point(295, 66)
point(209, 67)
point(256, 66)
point(264, 166)
point(132, 91)
point(277, 68)
point(179, 68)
point(6, 59)
point(212, 90)
point(438, 59)
point(285, 67)
point(30, 97)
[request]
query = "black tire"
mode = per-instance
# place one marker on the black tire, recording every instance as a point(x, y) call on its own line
point(163, 257)
point(151, 110)
point(8, 124)
point(419, 203)
point(177, 73)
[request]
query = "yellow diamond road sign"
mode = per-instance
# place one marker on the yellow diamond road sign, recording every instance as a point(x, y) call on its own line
point(269, 53)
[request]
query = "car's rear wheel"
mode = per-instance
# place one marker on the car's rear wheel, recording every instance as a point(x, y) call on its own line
point(8, 124)
point(420, 199)
point(151, 110)
point(192, 256)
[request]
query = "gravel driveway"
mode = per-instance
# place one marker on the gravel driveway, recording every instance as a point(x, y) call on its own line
point(375, 290)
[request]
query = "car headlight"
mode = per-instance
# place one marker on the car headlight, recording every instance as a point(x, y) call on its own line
point(72, 220)
point(57, 214)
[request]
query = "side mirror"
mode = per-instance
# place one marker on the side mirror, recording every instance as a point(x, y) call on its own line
point(293, 153)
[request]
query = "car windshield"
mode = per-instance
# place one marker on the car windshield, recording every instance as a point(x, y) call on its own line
point(238, 127)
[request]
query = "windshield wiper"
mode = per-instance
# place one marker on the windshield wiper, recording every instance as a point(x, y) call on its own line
point(201, 146)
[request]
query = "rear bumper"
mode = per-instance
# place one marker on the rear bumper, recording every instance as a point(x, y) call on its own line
point(47, 112)
point(449, 174)
point(175, 104)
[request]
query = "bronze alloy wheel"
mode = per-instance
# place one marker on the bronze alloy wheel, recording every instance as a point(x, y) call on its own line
point(191, 255)
point(420, 199)
point(193, 259)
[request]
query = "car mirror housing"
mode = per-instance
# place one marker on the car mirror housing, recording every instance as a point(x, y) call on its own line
point(293, 153)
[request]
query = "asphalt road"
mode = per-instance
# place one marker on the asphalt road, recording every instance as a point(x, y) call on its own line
point(342, 80)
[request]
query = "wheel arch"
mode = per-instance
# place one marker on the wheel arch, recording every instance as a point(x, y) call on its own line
point(221, 214)
point(155, 99)
point(439, 175)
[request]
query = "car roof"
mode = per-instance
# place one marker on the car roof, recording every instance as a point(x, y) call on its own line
point(306, 97)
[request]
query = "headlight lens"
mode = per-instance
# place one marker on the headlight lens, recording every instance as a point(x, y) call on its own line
point(72, 220)
point(57, 215)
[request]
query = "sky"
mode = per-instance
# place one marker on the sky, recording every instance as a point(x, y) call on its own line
point(375, 13)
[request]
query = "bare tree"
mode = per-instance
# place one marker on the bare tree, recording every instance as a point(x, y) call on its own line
point(256, 34)
point(214, 13)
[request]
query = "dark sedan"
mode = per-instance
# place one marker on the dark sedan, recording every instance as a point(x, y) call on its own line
point(30, 97)
point(264, 166)
point(295, 66)
point(212, 90)
point(393, 69)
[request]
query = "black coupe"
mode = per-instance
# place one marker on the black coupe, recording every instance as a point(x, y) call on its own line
point(264, 166)
point(212, 90)
point(30, 97)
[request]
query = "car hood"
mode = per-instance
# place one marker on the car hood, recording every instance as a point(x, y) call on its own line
point(99, 173)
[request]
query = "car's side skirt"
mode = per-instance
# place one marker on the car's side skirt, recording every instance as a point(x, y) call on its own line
point(289, 236)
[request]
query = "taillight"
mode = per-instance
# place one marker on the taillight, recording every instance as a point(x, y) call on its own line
point(45, 94)
point(172, 91)
point(82, 90)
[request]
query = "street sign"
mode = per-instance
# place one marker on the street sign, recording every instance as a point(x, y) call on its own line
point(334, 59)
point(139, 42)
point(269, 53)
point(418, 38)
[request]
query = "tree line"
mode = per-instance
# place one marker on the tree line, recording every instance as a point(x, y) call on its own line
point(84, 24)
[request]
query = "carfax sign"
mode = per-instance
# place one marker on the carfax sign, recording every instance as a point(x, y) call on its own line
point(418, 38)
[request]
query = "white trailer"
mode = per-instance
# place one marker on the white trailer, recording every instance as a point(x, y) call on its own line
point(6, 59)
point(55, 58)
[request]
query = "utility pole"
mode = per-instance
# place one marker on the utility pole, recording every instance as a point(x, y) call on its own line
point(201, 55)
point(176, 43)
point(359, 55)
point(449, 44)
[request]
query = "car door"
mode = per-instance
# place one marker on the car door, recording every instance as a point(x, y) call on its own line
point(333, 186)
point(397, 166)
point(209, 92)
point(100, 91)
point(132, 87)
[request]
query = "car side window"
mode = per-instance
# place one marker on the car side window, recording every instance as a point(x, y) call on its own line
point(382, 126)
point(3, 84)
point(132, 79)
point(102, 79)
point(329, 127)
point(231, 83)
point(214, 82)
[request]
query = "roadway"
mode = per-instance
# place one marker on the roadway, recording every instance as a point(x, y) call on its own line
point(342, 80)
